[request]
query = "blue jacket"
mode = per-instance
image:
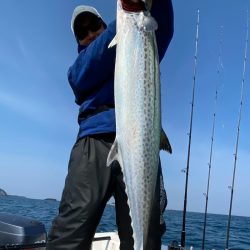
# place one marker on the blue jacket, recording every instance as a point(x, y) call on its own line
point(92, 75)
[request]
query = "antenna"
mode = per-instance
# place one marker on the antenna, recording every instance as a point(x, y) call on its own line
point(212, 140)
point(183, 233)
point(238, 132)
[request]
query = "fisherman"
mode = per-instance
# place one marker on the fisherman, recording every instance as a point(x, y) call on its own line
point(89, 183)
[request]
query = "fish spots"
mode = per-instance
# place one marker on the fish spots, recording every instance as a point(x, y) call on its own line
point(136, 90)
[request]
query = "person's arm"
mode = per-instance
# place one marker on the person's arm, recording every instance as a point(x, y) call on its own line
point(162, 11)
point(93, 66)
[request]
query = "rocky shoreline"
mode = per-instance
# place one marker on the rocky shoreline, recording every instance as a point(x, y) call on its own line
point(4, 193)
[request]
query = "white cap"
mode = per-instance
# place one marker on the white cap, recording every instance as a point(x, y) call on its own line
point(80, 9)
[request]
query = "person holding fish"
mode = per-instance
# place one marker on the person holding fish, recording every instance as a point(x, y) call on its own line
point(90, 182)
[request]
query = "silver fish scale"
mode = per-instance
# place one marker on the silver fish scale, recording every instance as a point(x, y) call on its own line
point(137, 101)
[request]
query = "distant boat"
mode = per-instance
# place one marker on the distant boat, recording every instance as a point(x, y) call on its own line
point(2, 192)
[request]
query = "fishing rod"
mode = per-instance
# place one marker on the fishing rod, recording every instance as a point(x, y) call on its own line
point(238, 132)
point(183, 233)
point(212, 141)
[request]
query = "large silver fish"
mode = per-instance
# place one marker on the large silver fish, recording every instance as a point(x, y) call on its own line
point(138, 115)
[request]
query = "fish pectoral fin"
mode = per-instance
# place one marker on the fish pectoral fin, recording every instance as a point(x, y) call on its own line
point(113, 42)
point(147, 22)
point(113, 154)
point(164, 142)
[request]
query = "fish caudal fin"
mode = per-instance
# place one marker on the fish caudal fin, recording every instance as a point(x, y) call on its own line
point(113, 154)
point(164, 143)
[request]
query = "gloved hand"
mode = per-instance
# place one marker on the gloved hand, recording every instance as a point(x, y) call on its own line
point(133, 5)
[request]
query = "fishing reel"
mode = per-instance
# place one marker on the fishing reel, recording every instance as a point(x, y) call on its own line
point(174, 245)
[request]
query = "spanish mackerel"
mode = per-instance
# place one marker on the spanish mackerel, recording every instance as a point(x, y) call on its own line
point(138, 114)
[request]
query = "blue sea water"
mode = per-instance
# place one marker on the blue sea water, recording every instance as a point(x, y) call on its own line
point(46, 210)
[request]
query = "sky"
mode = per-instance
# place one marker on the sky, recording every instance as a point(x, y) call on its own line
point(39, 116)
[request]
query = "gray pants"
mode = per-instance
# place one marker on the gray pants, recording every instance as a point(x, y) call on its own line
point(88, 186)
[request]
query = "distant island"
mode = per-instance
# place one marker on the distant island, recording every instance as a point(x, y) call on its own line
point(50, 199)
point(2, 192)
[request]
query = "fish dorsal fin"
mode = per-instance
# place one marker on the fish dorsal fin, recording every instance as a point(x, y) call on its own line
point(113, 154)
point(113, 42)
point(165, 144)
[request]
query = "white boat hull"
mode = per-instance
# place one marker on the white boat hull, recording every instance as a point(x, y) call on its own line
point(108, 241)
